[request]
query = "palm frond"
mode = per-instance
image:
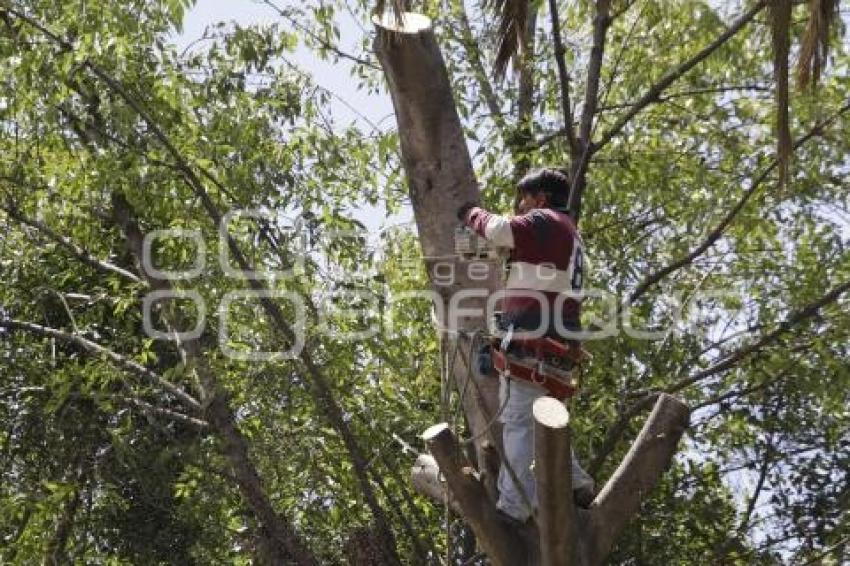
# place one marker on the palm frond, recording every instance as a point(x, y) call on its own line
point(513, 19)
point(823, 16)
point(780, 25)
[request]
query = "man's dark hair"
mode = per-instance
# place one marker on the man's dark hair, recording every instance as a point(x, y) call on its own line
point(554, 183)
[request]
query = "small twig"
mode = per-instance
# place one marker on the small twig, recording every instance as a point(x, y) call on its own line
point(673, 75)
point(323, 43)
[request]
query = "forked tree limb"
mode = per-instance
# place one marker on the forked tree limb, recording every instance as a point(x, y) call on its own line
point(499, 541)
point(638, 473)
point(652, 95)
point(117, 359)
point(588, 147)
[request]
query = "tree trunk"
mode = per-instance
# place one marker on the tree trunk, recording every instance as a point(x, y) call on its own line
point(282, 543)
point(441, 179)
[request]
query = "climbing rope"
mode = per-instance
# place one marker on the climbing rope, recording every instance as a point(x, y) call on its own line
point(446, 373)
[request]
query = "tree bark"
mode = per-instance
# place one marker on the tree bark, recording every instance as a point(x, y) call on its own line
point(441, 179)
point(501, 544)
point(650, 455)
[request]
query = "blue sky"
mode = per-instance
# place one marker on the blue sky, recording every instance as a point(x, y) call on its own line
point(334, 77)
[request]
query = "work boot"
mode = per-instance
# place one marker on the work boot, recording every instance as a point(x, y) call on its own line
point(584, 496)
point(509, 520)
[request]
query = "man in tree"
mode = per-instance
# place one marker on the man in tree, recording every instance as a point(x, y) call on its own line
point(545, 262)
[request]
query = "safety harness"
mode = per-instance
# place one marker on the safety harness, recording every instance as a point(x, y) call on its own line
point(544, 362)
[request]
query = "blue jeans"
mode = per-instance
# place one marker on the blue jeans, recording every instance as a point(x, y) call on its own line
point(517, 399)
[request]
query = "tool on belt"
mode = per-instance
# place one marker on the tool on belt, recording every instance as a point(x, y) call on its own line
point(544, 362)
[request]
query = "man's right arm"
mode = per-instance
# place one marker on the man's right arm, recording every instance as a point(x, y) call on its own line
point(492, 227)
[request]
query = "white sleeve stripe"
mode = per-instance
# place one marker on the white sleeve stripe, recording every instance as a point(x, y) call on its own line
point(498, 230)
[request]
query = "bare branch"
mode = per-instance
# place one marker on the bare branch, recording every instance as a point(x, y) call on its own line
point(601, 22)
point(751, 503)
point(616, 431)
point(638, 473)
point(121, 361)
point(78, 252)
point(563, 78)
point(556, 516)
point(496, 538)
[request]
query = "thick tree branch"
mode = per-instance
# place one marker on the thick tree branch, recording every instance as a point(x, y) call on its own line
point(638, 473)
point(563, 78)
point(495, 537)
point(556, 516)
point(521, 143)
point(617, 430)
point(120, 361)
point(441, 179)
point(601, 22)
point(654, 92)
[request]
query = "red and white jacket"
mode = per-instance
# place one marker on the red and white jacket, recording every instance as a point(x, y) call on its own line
point(546, 256)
